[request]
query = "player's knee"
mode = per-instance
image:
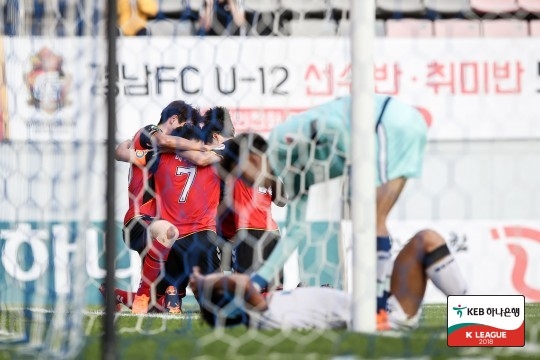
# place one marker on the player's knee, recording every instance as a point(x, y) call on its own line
point(172, 233)
point(429, 240)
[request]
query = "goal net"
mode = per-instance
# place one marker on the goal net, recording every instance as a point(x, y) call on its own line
point(51, 156)
point(477, 185)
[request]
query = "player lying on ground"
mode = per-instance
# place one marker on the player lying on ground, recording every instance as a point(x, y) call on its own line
point(234, 299)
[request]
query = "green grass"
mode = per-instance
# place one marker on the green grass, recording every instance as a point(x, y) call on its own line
point(187, 337)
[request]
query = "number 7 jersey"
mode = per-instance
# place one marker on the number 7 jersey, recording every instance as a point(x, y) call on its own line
point(186, 195)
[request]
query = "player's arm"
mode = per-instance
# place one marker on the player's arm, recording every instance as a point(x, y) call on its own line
point(170, 142)
point(122, 151)
point(200, 158)
point(283, 249)
point(127, 154)
point(152, 137)
point(217, 283)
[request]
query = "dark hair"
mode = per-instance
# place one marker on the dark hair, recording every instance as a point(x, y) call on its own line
point(220, 310)
point(218, 120)
point(188, 131)
point(185, 112)
point(236, 147)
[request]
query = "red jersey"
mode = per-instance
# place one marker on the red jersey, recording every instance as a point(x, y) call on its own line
point(227, 224)
point(186, 195)
point(140, 180)
point(253, 207)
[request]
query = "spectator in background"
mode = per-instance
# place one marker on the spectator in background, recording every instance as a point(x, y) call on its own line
point(221, 17)
point(133, 16)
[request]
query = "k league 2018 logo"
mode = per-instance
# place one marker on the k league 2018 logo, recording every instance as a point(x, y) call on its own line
point(496, 320)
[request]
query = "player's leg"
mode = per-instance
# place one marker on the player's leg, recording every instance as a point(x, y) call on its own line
point(244, 247)
point(163, 235)
point(195, 250)
point(226, 255)
point(387, 195)
point(267, 242)
point(122, 297)
point(425, 256)
point(135, 237)
point(134, 233)
point(400, 139)
point(252, 248)
point(204, 253)
point(226, 229)
point(176, 271)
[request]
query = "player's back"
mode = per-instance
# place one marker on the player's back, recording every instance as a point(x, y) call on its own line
point(306, 308)
point(331, 115)
point(187, 195)
point(253, 207)
point(140, 181)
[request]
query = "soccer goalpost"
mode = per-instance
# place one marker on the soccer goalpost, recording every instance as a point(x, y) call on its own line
point(363, 166)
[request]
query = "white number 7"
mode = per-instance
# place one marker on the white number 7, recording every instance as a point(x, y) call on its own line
point(191, 172)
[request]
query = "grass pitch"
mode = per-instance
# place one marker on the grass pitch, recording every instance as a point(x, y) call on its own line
point(186, 337)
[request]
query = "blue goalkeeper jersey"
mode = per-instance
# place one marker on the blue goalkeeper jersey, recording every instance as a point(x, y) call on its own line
point(314, 146)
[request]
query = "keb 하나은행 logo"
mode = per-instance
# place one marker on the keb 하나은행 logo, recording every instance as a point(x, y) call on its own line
point(486, 320)
point(459, 310)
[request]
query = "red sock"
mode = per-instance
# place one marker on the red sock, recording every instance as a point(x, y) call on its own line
point(151, 268)
point(123, 296)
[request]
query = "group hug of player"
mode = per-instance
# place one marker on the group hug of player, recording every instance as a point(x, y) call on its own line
point(174, 194)
point(197, 191)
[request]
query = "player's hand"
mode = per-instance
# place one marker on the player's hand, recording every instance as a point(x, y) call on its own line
point(205, 147)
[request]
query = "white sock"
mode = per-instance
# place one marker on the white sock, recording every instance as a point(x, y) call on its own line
point(447, 276)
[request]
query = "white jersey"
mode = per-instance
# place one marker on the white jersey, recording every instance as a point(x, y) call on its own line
point(321, 308)
point(305, 308)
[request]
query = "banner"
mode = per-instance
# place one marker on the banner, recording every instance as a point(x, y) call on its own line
point(466, 88)
point(497, 257)
point(45, 257)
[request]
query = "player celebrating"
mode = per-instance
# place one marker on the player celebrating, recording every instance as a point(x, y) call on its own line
point(186, 197)
point(245, 216)
point(140, 191)
point(234, 299)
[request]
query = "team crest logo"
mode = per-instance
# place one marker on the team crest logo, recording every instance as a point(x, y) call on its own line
point(139, 154)
point(47, 81)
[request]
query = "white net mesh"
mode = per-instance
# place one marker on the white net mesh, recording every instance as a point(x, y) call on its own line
point(450, 59)
point(51, 184)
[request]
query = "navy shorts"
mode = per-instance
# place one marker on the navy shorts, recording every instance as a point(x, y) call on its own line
point(198, 249)
point(135, 233)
